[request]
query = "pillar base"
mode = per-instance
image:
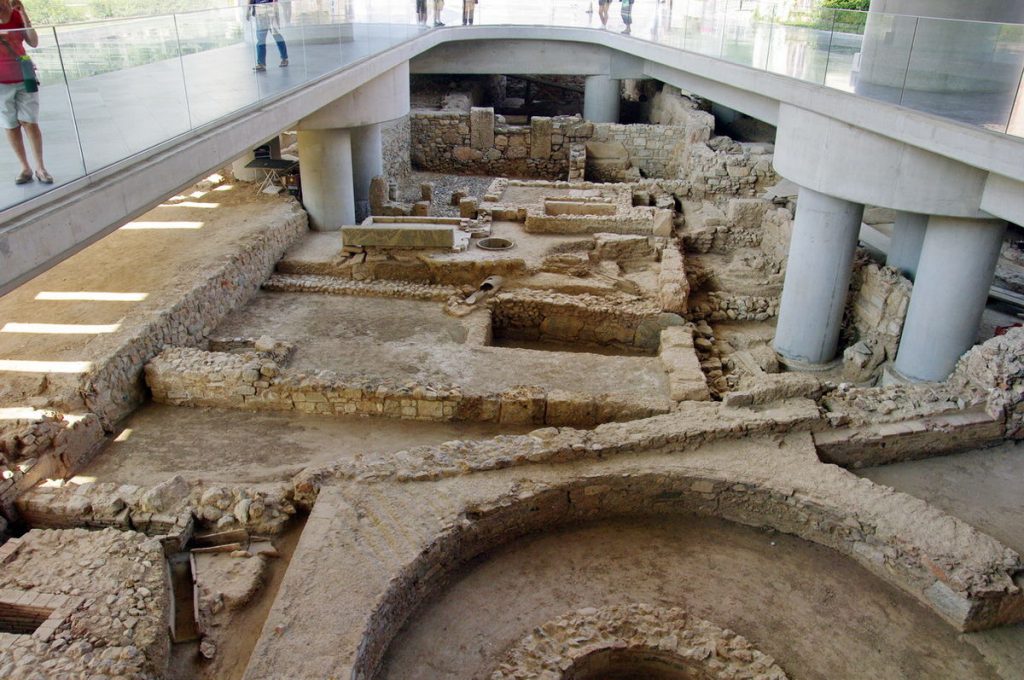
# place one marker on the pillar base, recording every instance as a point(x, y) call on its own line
point(798, 366)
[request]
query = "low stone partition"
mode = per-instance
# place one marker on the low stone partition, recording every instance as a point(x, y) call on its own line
point(725, 306)
point(169, 510)
point(641, 220)
point(686, 379)
point(252, 380)
point(332, 285)
point(625, 322)
point(879, 300)
point(673, 286)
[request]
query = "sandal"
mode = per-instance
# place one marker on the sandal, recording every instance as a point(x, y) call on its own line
point(24, 178)
point(44, 177)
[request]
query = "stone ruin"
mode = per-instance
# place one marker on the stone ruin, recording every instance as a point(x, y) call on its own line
point(625, 358)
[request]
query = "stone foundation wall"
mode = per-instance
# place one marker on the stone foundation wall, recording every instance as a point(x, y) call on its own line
point(723, 167)
point(619, 153)
point(395, 138)
point(722, 306)
point(587, 319)
point(112, 587)
point(878, 302)
point(253, 380)
point(673, 286)
point(116, 388)
point(475, 143)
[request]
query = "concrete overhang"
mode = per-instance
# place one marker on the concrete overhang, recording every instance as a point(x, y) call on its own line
point(40, 232)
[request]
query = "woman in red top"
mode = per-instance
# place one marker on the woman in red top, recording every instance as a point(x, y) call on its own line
point(19, 108)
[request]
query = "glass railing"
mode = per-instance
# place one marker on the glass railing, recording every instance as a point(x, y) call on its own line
point(112, 89)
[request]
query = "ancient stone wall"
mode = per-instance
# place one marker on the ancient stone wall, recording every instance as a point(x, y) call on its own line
point(723, 167)
point(478, 143)
point(254, 380)
point(587, 319)
point(395, 138)
point(109, 591)
point(878, 302)
point(726, 306)
point(116, 387)
point(619, 153)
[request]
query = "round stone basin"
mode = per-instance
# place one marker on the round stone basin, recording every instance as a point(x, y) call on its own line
point(495, 243)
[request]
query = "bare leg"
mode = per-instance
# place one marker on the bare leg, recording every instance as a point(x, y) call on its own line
point(602, 11)
point(35, 140)
point(18, 145)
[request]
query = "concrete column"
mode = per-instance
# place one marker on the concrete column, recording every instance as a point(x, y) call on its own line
point(907, 239)
point(326, 170)
point(958, 260)
point(242, 173)
point(367, 163)
point(818, 273)
point(601, 99)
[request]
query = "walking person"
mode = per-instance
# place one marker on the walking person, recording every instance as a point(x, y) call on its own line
point(19, 90)
point(265, 13)
point(438, 6)
point(421, 12)
point(468, 7)
point(602, 11)
point(627, 16)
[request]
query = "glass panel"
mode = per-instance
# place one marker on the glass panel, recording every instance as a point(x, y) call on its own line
point(705, 25)
point(967, 71)
point(845, 49)
point(126, 86)
point(217, 62)
point(881, 68)
point(800, 42)
point(747, 32)
point(51, 108)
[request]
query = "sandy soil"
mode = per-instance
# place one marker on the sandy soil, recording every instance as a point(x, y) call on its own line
point(819, 614)
point(985, 487)
point(405, 341)
point(246, 624)
point(253, 446)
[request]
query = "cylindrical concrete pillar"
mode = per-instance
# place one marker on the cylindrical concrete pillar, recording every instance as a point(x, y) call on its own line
point(601, 99)
point(326, 170)
point(242, 173)
point(821, 252)
point(367, 163)
point(907, 239)
point(958, 260)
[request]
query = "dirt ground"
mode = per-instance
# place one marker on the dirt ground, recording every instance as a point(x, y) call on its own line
point(985, 488)
point(246, 624)
point(398, 340)
point(146, 266)
point(159, 441)
point(819, 614)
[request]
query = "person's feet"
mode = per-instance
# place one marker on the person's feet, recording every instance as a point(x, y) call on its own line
point(438, 23)
point(284, 63)
point(24, 178)
point(259, 67)
point(43, 176)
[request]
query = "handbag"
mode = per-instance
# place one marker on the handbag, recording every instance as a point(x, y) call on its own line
point(28, 69)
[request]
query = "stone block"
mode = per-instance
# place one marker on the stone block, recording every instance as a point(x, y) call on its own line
point(421, 209)
point(541, 128)
point(427, 191)
point(404, 235)
point(468, 208)
point(481, 128)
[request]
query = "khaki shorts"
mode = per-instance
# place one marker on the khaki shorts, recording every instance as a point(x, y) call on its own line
point(17, 106)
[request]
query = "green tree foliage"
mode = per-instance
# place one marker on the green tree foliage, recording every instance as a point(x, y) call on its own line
point(860, 5)
point(67, 11)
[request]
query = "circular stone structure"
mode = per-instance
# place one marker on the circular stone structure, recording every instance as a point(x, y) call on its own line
point(635, 640)
point(495, 243)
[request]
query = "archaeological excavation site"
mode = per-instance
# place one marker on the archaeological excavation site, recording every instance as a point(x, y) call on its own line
point(529, 377)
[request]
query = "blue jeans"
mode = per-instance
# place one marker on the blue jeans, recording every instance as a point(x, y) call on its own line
point(261, 45)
